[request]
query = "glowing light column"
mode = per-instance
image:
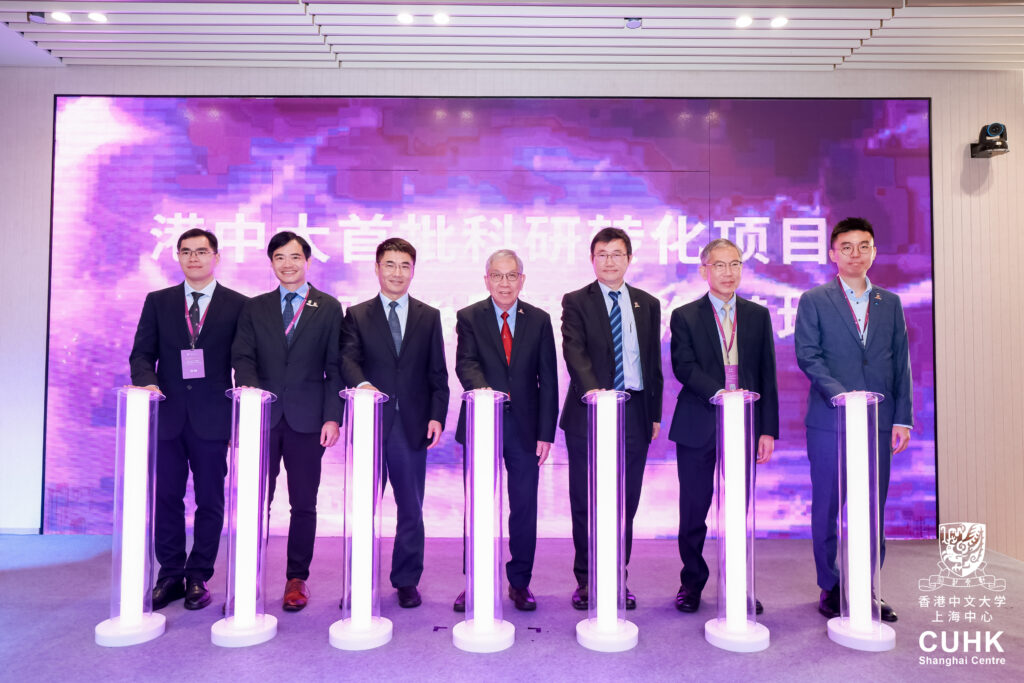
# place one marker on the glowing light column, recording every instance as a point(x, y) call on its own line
point(483, 630)
point(361, 626)
point(859, 624)
point(245, 619)
point(736, 628)
point(606, 628)
point(132, 619)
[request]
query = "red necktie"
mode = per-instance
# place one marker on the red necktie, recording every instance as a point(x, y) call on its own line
point(506, 337)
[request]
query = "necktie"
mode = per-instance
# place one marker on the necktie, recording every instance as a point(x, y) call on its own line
point(729, 353)
point(506, 337)
point(616, 321)
point(193, 316)
point(396, 327)
point(288, 314)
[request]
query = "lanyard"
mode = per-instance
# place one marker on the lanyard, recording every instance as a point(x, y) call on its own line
point(732, 336)
point(193, 334)
point(298, 312)
point(867, 312)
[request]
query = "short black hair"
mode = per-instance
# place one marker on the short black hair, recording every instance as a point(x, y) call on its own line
point(284, 237)
point(849, 225)
point(605, 235)
point(198, 232)
point(396, 244)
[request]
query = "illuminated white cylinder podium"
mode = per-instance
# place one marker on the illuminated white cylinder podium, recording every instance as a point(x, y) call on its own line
point(483, 630)
point(132, 619)
point(245, 619)
point(859, 624)
point(606, 629)
point(361, 626)
point(736, 628)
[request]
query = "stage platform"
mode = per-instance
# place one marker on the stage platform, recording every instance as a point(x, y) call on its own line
point(55, 589)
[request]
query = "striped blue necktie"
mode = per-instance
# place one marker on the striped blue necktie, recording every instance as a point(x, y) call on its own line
point(616, 321)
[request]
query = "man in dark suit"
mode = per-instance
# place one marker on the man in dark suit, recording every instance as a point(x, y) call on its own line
point(393, 344)
point(611, 339)
point(508, 345)
point(719, 342)
point(183, 349)
point(850, 336)
point(288, 344)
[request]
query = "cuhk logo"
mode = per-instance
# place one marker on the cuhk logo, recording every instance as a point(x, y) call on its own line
point(962, 559)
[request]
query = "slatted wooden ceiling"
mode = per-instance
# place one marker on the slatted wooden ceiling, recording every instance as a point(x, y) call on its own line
point(870, 34)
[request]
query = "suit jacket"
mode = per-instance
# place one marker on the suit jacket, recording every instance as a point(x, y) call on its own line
point(830, 353)
point(417, 379)
point(589, 354)
point(698, 364)
point(530, 380)
point(304, 375)
point(160, 338)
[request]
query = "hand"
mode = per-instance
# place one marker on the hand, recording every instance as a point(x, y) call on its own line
point(765, 448)
point(368, 387)
point(900, 439)
point(153, 388)
point(329, 434)
point(543, 450)
point(655, 430)
point(433, 433)
point(592, 391)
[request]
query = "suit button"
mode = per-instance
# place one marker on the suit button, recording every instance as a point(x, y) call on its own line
point(865, 363)
point(188, 386)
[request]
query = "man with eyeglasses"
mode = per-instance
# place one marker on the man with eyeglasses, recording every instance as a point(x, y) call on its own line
point(182, 349)
point(393, 344)
point(287, 344)
point(508, 345)
point(720, 342)
point(611, 340)
point(850, 335)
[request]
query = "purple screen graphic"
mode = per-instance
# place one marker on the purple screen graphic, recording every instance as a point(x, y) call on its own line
point(460, 178)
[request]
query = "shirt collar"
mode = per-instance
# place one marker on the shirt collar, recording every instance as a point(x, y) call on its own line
point(403, 301)
point(302, 291)
point(719, 304)
point(206, 291)
point(848, 290)
point(605, 289)
point(511, 309)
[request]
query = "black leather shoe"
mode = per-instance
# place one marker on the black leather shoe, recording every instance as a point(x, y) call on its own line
point(758, 607)
point(460, 603)
point(523, 598)
point(167, 591)
point(888, 614)
point(409, 596)
point(196, 594)
point(579, 598)
point(687, 600)
point(630, 599)
point(828, 603)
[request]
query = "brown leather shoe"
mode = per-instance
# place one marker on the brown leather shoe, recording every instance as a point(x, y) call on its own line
point(522, 598)
point(296, 595)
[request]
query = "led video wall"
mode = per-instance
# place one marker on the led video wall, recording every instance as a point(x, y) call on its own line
point(459, 178)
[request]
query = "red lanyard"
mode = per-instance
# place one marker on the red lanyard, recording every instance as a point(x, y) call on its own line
point(193, 334)
point(298, 312)
point(867, 311)
point(732, 336)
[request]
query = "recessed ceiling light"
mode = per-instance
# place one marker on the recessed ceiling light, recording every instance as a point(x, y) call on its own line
point(779, 22)
point(404, 18)
point(98, 17)
point(441, 19)
point(744, 20)
point(62, 17)
point(634, 22)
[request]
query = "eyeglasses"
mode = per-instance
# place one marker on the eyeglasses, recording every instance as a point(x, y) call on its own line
point(613, 256)
point(721, 266)
point(390, 267)
point(864, 248)
point(199, 253)
point(496, 278)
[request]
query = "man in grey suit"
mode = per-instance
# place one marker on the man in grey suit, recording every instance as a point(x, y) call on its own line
point(850, 336)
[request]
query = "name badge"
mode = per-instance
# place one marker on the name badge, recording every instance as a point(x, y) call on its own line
point(732, 377)
point(192, 366)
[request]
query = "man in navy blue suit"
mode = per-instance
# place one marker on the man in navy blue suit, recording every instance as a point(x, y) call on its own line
point(508, 345)
point(850, 336)
point(393, 344)
point(182, 349)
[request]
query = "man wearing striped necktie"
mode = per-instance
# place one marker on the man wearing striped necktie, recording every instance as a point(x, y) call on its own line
point(611, 339)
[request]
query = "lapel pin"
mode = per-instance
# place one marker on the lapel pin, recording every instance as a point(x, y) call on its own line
point(312, 304)
point(636, 305)
point(520, 311)
point(878, 296)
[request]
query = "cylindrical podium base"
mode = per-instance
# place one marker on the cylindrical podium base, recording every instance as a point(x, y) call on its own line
point(623, 638)
point(226, 634)
point(113, 633)
point(469, 638)
point(344, 635)
point(839, 631)
point(752, 639)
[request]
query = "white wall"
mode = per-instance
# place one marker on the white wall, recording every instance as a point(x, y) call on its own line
point(977, 209)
